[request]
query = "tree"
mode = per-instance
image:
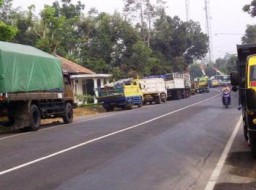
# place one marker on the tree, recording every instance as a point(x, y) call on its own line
point(179, 42)
point(56, 29)
point(140, 59)
point(7, 31)
point(250, 34)
point(250, 8)
point(25, 21)
point(147, 12)
point(108, 39)
point(195, 71)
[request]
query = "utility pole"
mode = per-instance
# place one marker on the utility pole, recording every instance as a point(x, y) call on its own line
point(187, 10)
point(208, 28)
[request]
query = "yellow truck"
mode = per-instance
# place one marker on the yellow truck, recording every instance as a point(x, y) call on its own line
point(202, 84)
point(244, 80)
point(122, 94)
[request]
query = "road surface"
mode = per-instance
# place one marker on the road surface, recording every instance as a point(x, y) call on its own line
point(175, 145)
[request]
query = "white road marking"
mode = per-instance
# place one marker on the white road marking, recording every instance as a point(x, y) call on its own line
point(217, 170)
point(97, 139)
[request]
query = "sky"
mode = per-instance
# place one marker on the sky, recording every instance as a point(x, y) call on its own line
point(227, 20)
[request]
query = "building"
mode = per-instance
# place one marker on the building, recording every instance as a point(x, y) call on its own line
point(85, 81)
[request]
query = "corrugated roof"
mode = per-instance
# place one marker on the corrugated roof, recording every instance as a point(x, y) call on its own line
point(72, 67)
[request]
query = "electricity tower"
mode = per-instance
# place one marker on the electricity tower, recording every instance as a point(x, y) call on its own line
point(208, 29)
point(187, 10)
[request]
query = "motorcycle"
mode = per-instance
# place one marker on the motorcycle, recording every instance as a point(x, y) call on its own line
point(226, 98)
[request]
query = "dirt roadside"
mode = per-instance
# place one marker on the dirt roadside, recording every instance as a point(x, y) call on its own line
point(78, 113)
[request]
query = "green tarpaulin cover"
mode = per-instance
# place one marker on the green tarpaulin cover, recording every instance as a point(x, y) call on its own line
point(25, 69)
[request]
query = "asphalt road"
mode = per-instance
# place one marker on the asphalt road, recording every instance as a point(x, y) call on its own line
point(175, 145)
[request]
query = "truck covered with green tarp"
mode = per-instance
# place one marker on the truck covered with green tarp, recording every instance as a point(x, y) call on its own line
point(32, 87)
point(26, 69)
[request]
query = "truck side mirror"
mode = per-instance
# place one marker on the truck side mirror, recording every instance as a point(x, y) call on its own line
point(234, 77)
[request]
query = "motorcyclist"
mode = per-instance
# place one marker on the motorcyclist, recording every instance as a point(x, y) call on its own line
point(226, 90)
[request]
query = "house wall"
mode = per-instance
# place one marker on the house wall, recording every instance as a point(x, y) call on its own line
point(79, 89)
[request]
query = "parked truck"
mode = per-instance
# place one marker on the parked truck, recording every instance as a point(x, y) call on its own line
point(178, 85)
point(122, 94)
point(202, 84)
point(153, 90)
point(244, 80)
point(32, 87)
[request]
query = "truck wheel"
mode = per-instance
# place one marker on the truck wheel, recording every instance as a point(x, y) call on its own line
point(245, 129)
point(140, 103)
point(163, 98)
point(129, 106)
point(34, 117)
point(158, 99)
point(109, 108)
point(68, 117)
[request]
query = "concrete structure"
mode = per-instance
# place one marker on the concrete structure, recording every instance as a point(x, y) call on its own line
point(85, 81)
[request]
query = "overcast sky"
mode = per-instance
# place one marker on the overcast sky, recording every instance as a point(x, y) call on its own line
point(228, 21)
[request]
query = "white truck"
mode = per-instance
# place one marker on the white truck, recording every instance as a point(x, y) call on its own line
point(153, 90)
point(178, 85)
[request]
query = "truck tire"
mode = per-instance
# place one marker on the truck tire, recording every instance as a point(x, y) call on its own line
point(245, 129)
point(163, 98)
point(34, 118)
point(68, 116)
point(158, 99)
point(109, 108)
point(140, 103)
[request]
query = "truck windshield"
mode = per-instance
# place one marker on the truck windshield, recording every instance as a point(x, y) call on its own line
point(253, 73)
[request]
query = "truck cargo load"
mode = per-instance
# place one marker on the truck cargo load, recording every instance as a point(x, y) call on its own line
point(26, 69)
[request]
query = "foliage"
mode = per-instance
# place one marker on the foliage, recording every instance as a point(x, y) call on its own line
point(7, 32)
point(179, 42)
point(195, 71)
point(250, 34)
point(111, 43)
point(250, 8)
point(227, 64)
point(147, 12)
point(85, 99)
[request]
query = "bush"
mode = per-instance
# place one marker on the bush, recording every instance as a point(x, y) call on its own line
point(84, 99)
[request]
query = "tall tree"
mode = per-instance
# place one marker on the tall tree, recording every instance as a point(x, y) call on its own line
point(250, 34)
point(25, 21)
point(179, 42)
point(147, 12)
point(107, 42)
point(57, 26)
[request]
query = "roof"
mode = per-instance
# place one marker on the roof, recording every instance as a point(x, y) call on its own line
point(73, 68)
